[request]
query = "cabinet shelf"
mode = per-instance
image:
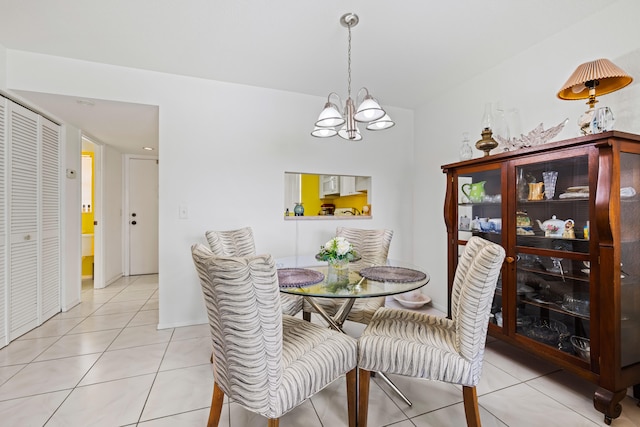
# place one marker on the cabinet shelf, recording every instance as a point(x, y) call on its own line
point(547, 277)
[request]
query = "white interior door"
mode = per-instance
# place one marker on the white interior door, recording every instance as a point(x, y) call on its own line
point(143, 215)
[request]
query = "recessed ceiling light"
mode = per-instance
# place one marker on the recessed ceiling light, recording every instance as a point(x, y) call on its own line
point(148, 148)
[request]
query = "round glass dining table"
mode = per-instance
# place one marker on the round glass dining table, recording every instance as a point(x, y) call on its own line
point(307, 277)
point(393, 278)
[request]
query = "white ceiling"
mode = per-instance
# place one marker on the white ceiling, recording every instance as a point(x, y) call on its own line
point(403, 51)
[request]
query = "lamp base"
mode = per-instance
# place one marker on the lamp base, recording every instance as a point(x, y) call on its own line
point(596, 120)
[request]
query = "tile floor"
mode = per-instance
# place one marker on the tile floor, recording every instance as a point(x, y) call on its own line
point(104, 363)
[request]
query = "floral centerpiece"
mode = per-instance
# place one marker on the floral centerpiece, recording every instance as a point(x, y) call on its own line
point(337, 249)
point(338, 252)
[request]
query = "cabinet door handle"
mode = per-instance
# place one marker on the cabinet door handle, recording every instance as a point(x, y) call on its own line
point(27, 237)
point(509, 259)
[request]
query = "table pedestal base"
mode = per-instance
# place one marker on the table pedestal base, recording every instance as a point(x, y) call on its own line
point(336, 323)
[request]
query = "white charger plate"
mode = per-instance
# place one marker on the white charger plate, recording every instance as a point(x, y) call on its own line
point(412, 303)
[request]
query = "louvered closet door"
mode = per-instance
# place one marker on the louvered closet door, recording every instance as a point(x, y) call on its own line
point(50, 196)
point(3, 225)
point(23, 220)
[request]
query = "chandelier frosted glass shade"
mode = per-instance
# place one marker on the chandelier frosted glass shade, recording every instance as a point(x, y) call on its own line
point(330, 116)
point(381, 124)
point(369, 110)
point(320, 132)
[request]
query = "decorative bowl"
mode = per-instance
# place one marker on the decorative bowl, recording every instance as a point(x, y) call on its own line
point(546, 331)
point(413, 299)
point(582, 347)
point(576, 304)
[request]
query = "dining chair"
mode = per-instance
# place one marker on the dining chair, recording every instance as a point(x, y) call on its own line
point(241, 243)
point(266, 361)
point(415, 344)
point(373, 247)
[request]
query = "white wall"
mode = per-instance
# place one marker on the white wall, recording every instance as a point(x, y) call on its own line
point(71, 219)
point(223, 152)
point(528, 82)
point(3, 67)
point(112, 205)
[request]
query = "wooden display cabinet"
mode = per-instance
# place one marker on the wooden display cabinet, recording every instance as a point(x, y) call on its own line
point(571, 282)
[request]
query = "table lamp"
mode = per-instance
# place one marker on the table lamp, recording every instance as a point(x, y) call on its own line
point(601, 76)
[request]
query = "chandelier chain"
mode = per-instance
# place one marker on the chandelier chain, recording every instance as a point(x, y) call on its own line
point(349, 64)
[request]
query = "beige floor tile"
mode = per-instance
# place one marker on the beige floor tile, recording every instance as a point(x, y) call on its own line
point(180, 390)
point(577, 394)
point(7, 372)
point(152, 304)
point(185, 353)
point(129, 362)
point(302, 415)
point(187, 332)
point(144, 317)
point(383, 409)
point(516, 362)
point(31, 411)
point(79, 344)
point(141, 335)
point(524, 406)
point(119, 307)
point(454, 416)
point(425, 395)
point(331, 404)
point(188, 419)
point(133, 295)
point(48, 376)
point(83, 309)
point(114, 403)
point(24, 351)
point(103, 323)
point(55, 327)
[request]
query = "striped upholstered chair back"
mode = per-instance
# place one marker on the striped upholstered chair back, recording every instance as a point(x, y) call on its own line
point(266, 361)
point(232, 242)
point(371, 245)
point(422, 345)
point(243, 306)
point(240, 243)
point(473, 287)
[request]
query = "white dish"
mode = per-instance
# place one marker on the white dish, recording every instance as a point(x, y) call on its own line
point(415, 303)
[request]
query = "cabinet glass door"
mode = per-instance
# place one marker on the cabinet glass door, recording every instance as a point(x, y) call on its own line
point(629, 259)
point(480, 213)
point(553, 265)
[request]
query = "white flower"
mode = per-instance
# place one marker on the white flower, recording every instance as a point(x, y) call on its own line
point(342, 246)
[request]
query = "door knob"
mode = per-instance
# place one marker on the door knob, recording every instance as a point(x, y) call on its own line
point(510, 259)
point(133, 223)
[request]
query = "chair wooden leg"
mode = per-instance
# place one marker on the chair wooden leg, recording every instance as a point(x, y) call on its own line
point(306, 315)
point(274, 422)
point(216, 406)
point(352, 396)
point(471, 411)
point(363, 397)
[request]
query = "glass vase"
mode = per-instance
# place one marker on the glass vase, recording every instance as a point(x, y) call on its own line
point(465, 149)
point(338, 272)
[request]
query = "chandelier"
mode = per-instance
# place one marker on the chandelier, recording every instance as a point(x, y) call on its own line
point(368, 111)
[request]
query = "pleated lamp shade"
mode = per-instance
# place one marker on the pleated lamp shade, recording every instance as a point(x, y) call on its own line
point(609, 78)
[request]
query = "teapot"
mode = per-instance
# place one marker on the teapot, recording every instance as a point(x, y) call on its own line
point(476, 191)
point(554, 227)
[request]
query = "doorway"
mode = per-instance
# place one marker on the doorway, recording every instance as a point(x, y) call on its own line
point(91, 208)
point(141, 220)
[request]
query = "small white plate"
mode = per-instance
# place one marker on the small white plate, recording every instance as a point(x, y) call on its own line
point(424, 299)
